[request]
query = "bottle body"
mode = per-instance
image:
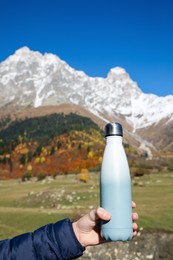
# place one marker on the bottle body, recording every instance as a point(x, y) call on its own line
point(115, 191)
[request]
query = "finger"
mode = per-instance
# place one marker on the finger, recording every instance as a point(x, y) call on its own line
point(134, 216)
point(133, 204)
point(134, 233)
point(103, 214)
point(135, 227)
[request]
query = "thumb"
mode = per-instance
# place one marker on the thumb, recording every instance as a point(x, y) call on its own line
point(103, 214)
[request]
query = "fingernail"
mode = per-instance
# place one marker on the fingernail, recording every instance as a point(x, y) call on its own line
point(100, 210)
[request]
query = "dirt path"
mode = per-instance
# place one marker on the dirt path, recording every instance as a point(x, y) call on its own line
point(35, 210)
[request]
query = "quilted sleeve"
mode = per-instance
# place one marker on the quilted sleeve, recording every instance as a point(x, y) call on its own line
point(53, 241)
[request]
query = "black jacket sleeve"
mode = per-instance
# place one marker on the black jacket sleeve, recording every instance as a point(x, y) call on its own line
point(53, 241)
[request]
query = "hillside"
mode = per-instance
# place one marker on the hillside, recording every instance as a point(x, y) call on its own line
point(44, 128)
point(50, 145)
point(54, 144)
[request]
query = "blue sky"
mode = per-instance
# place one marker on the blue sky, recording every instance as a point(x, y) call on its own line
point(96, 35)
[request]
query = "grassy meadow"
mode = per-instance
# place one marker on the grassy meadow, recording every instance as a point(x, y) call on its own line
point(25, 206)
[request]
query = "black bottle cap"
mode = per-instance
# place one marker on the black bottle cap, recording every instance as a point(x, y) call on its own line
point(113, 129)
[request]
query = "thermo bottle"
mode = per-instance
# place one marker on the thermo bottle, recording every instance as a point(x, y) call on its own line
point(115, 187)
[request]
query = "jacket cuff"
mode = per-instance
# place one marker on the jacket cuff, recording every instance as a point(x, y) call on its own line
point(70, 247)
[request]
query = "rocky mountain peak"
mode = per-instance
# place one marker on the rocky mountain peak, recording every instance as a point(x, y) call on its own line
point(118, 73)
point(29, 78)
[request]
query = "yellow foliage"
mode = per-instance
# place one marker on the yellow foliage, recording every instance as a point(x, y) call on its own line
point(7, 155)
point(21, 166)
point(24, 151)
point(90, 154)
point(100, 159)
point(84, 175)
point(37, 160)
point(29, 168)
point(44, 151)
point(42, 159)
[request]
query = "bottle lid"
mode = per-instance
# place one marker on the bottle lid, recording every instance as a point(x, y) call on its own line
point(113, 129)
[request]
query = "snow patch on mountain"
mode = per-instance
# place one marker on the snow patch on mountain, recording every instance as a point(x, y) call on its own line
point(29, 78)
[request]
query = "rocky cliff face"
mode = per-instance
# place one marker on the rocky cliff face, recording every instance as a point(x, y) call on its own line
point(151, 244)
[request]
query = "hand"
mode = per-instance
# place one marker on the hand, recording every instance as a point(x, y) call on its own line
point(87, 228)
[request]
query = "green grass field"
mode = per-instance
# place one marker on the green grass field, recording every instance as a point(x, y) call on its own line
point(25, 206)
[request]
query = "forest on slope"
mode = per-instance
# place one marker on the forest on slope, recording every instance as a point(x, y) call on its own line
point(50, 145)
point(58, 144)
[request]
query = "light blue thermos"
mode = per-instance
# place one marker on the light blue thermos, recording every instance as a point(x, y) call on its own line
point(115, 187)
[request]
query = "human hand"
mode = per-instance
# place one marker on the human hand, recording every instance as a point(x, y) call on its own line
point(87, 228)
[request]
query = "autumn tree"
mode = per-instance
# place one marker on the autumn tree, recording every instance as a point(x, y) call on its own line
point(84, 175)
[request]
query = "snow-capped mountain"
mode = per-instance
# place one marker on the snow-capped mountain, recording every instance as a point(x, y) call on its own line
point(30, 79)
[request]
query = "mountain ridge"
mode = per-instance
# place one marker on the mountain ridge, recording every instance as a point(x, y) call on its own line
point(29, 79)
